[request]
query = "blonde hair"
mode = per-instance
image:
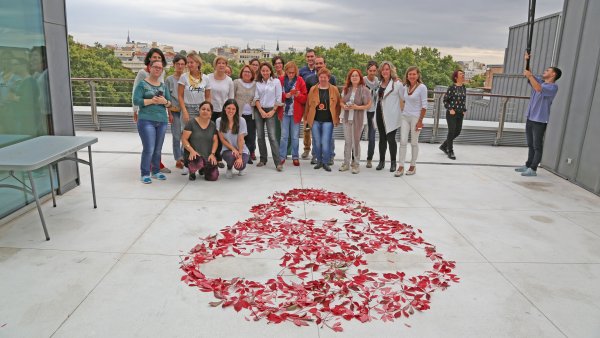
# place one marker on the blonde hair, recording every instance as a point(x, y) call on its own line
point(393, 74)
point(219, 58)
point(289, 65)
point(194, 56)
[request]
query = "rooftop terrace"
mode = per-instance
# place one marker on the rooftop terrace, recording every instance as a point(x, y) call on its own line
point(527, 250)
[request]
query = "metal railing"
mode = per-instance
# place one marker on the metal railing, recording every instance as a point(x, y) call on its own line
point(99, 92)
point(501, 117)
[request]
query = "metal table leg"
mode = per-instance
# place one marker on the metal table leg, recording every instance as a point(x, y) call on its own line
point(92, 175)
point(37, 202)
point(52, 185)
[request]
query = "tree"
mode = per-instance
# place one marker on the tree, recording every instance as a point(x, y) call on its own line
point(98, 62)
point(401, 58)
point(341, 58)
point(435, 69)
point(476, 81)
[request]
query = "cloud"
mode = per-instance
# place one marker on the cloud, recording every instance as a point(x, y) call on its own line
point(460, 26)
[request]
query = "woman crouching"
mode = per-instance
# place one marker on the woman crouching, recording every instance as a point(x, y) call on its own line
point(232, 130)
point(200, 143)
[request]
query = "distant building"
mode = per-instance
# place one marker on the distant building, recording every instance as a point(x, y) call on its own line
point(472, 68)
point(231, 53)
point(248, 54)
point(489, 75)
point(133, 53)
point(135, 64)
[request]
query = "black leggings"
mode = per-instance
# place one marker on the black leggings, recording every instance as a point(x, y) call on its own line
point(250, 138)
point(385, 139)
point(455, 123)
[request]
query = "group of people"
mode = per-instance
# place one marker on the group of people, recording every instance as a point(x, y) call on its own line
point(216, 122)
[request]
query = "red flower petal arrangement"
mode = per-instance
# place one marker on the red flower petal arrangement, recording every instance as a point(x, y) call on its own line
point(328, 259)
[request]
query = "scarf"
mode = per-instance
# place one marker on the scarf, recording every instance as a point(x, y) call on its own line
point(288, 85)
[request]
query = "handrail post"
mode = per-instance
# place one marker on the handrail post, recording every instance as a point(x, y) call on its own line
point(93, 105)
point(501, 121)
point(436, 118)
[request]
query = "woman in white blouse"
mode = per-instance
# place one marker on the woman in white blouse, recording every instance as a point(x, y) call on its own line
point(414, 109)
point(267, 99)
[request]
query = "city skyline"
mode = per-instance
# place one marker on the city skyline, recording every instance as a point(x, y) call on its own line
point(474, 30)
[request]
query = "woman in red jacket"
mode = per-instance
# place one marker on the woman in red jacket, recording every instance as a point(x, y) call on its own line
point(294, 98)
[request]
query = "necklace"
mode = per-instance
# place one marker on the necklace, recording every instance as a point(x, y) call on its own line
point(412, 88)
point(193, 81)
point(322, 101)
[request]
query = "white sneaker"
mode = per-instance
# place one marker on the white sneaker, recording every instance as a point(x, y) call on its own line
point(229, 173)
point(241, 173)
point(185, 171)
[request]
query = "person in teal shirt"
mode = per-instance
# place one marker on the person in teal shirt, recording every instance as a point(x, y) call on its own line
point(153, 98)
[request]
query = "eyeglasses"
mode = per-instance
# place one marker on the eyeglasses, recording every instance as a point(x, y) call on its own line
point(157, 67)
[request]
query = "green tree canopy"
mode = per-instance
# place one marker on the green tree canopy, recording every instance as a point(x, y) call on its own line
point(476, 81)
point(98, 62)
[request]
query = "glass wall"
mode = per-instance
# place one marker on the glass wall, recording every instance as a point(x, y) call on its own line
point(24, 97)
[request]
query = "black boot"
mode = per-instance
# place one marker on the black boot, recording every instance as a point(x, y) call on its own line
point(380, 165)
point(443, 148)
point(393, 166)
point(451, 155)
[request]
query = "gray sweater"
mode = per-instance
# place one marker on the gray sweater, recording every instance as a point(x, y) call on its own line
point(244, 95)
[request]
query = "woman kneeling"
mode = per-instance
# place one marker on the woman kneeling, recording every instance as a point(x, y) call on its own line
point(200, 143)
point(232, 130)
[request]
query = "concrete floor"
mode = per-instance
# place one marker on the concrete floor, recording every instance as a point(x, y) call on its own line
point(527, 249)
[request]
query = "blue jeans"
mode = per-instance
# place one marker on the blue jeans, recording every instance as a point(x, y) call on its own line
point(152, 134)
point(332, 147)
point(322, 133)
point(176, 130)
point(289, 127)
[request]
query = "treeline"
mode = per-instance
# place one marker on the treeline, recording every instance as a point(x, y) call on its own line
point(436, 70)
point(97, 61)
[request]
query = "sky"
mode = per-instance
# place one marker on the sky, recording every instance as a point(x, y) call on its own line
point(466, 29)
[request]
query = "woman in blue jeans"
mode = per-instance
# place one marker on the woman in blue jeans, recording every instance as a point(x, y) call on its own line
point(294, 98)
point(323, 113)
point(153, 98)
point(179, 63)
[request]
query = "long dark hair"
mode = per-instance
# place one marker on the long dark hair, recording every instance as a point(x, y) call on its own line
point(259, 77)
point(224, 127)
point(149, 55)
